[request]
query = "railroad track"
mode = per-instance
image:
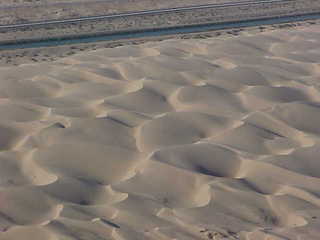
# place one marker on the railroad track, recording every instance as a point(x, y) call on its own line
point(141, 13)
point(156, 23)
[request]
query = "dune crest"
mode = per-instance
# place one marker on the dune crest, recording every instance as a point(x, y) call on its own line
point(179, 139)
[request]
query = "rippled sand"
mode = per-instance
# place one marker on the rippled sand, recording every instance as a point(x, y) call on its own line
point(180, 139)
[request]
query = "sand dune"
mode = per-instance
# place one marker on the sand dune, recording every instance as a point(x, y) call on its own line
point(178, 139)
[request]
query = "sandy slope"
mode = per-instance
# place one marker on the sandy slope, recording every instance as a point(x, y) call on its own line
point(180, 139)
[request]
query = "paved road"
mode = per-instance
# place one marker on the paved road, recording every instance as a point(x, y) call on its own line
point(141, 13)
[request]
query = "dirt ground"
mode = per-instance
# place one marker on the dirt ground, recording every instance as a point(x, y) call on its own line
point(19, 11)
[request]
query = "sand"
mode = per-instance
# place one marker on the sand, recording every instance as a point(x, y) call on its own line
point(178, 139)
point(16, 57)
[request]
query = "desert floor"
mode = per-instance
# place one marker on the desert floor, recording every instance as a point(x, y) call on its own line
point(178, 139)
point(17, 11)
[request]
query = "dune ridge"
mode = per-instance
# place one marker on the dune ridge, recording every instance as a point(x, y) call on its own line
point(179, 139)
